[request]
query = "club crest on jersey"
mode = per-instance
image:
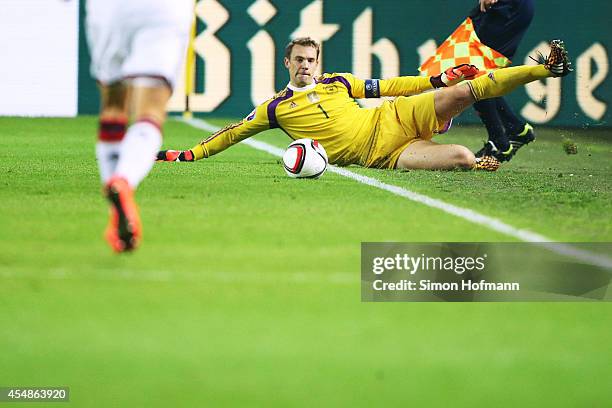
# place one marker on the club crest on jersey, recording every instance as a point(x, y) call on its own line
point(251, 115)
point(313, 97)
point(292, 105)
point(331, 89)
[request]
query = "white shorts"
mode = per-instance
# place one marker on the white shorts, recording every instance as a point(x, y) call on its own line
point(138, 38)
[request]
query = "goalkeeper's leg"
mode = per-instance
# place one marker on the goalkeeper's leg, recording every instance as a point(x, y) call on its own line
point(451, 101)
point(428, 155)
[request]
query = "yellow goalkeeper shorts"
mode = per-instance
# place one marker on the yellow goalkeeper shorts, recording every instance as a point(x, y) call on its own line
point(402, 122)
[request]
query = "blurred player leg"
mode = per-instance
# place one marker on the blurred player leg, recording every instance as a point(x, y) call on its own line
point(123, 231)
point(138, 47)
point(136, 157)
point(144, 137)
point(112, 127)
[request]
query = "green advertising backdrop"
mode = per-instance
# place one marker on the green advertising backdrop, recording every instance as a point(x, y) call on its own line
point(240, 48)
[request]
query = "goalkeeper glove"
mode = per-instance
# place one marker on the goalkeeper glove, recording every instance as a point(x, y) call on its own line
point(453, 76)
point(175, 155)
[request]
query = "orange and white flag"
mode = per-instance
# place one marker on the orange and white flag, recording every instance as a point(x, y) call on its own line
point(464, 47)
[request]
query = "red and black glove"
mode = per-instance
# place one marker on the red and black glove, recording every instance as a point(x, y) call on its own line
point(453, 76)
point(175, 155)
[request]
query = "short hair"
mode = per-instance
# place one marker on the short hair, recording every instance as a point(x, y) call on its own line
point(303, 41)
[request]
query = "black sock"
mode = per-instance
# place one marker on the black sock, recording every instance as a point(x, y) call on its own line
point(490, 117)
point(514, 125)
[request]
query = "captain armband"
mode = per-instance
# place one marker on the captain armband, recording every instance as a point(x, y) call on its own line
point(372, 88)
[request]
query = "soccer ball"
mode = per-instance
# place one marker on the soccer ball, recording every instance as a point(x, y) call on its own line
point(305, 158)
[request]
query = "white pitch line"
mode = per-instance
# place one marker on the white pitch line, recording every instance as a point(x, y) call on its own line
point(465, 213)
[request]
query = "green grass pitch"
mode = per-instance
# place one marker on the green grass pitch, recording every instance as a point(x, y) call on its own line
point(246, 290)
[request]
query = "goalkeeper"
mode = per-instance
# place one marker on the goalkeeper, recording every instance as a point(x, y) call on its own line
point(395, 135)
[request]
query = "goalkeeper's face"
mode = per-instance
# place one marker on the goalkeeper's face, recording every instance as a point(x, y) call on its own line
point(302, 65)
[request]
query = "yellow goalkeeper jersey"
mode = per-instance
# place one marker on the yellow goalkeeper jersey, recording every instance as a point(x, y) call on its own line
point(325, 110)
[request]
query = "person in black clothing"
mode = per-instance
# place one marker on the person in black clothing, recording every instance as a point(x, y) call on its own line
point(501, 25)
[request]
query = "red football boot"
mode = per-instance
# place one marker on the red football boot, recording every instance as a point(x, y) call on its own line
point(124, 231)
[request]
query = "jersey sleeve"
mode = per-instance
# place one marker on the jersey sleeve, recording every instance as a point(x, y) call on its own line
point(404, 85)
point(375, 88)
point(257, 121)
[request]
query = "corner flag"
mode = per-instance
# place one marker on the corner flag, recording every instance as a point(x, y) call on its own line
point(464, 47)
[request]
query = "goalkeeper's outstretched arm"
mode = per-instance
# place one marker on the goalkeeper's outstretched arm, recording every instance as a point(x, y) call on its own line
point(412, 85)
point(256, 122)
